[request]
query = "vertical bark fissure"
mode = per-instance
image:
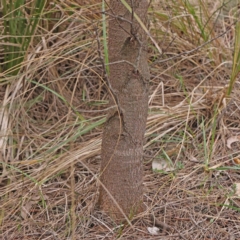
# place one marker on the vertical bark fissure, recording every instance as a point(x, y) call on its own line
point(122, 143)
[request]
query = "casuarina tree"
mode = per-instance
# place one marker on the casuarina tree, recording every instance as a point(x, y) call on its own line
point(121, 176)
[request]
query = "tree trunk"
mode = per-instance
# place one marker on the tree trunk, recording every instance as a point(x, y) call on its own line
point(121, 173)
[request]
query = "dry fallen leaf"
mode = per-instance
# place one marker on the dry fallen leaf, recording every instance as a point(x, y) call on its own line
point(25, 210)
point(236, 161)
point(232, 140)
point(162, 164)
point(237, 192)
point(153, 230)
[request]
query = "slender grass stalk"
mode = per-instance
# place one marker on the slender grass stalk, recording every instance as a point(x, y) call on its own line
point(168, 158)
point(73, 202)
point(206, 157)
point(208, 147)
point(105, 47)
point(213, 132)
point(142, 25)
point(236, 59)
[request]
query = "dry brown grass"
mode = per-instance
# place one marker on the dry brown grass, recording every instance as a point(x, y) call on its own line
point(51, 122)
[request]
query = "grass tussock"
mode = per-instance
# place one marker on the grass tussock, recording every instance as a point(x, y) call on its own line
point(53, 107)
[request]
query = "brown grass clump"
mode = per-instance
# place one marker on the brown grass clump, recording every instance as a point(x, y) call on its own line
point(53, 111)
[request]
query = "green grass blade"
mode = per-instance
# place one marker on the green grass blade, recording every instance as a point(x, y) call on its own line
point(60, 97)
point(20, 171)
point(81, 131)
point(19, 30)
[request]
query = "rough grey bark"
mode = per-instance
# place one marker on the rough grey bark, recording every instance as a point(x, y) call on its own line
point(122, 143)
